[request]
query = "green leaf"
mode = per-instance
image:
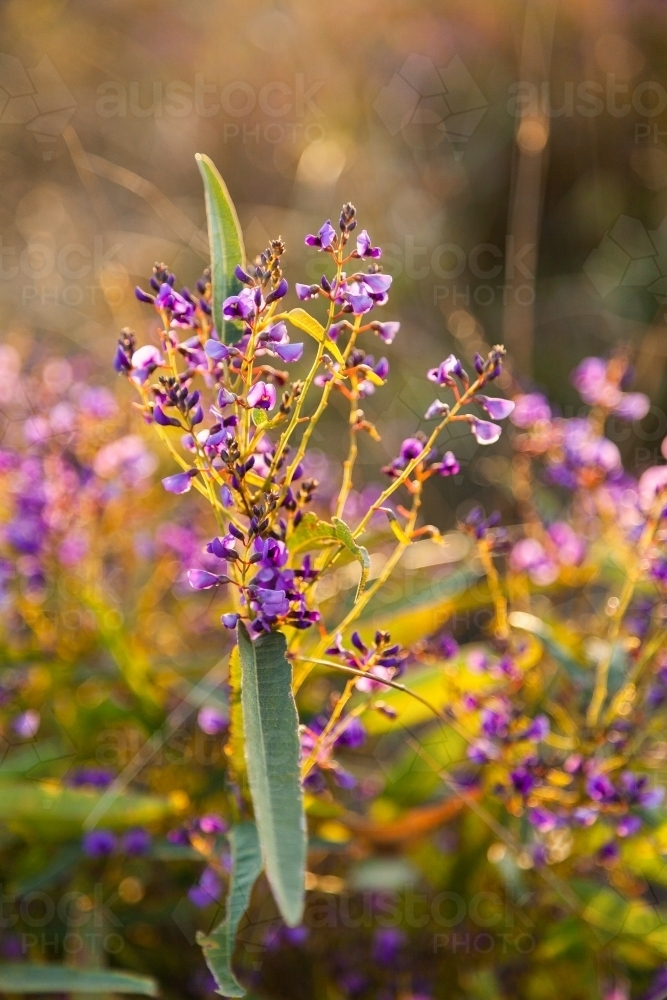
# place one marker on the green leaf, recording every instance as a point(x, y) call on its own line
point(272, 751)
point(22, 978)
point(358, 551)
point(218, 946)
point(311, 533)
point(58, 813)
point(226, 244)
point(304, 321)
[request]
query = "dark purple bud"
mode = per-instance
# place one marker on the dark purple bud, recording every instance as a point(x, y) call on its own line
point(144, 296)
point(242, 276)
point(279, 292)
point(121, 362)
point(479, 363)
point(233, 530)
point(161, 418)
point(201, 579)
point(358, 642)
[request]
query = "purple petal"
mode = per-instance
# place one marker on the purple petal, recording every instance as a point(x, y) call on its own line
point(289, 352)
point(214, 349)
point(484, 431)
point(180, 483)
point(200, 579)
point(496, 406)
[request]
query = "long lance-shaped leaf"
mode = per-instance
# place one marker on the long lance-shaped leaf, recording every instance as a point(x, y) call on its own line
point(226, 244)
point(61, 979)
point(270, 724)
point(218, 946)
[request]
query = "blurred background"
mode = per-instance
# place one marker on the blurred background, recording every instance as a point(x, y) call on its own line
point(511, 158)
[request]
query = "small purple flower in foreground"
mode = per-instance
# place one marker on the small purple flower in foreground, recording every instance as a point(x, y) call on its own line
point(98, 843)
point(364, 248)
point(262, 396)
point(496, 406)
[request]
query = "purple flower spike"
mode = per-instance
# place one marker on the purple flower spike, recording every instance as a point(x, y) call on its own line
point(484, 431)
point(180, 483)
point(201, 579)
point(215, 350)
point(262, 396)
point(98, 843)
point(324, 239)
point(496, 406)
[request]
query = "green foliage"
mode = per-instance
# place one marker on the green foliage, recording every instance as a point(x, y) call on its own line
point(218, 946)
point(226, 244)
point(60, 979)
point(272, 752)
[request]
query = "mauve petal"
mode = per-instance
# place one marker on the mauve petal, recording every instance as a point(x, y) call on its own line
point(179, 483)
point(484, 431)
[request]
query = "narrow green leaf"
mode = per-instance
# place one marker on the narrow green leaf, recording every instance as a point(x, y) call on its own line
point(304, 321)
point(271, 728)
point(218, 946)
point(311, 533)
point(58, 813)
point(226, 244)
point(22, 978)
point(358, 551)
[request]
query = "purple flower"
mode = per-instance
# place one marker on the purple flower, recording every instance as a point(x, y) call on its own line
point(136, 841)
point(211, 720)
point(584, 816)
point(411, 448)
point(633, 406)
point(201, 579)
point(484, 431)
point(522, 780)
point(181, 482)
point(324, 239)
point(436, 409)
point(442, 375)
point(538, 729)
point(449, 465)
point(207, 891)
point(387, 944)
point(144, 362)
point(213, 824)
point(542, 819)
point(652, 483)
point(262, 395)
point(98, 843)
point(600, 788)
point(364, 248)
point(496, 406)
point(354, 734)
point(305, 292)
point(289, 352)
point(26, 724)
point(386, 331)
point(529, 408)
point(628, 825)
point(215, 350)
point(230, 620)
point(242, 306)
